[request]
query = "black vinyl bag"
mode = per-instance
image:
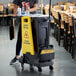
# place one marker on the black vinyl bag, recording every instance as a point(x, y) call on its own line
point(11, 31)
point(11, 28)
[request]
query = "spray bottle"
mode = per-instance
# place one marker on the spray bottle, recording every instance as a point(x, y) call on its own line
point(27, 5)
point(23, 7)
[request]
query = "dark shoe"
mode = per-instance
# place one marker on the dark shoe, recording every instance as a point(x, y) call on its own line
point(13, 61)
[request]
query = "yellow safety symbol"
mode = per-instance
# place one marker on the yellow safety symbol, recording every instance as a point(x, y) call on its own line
point(26, 35)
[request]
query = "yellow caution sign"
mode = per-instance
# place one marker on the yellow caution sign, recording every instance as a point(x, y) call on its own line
point(27, 36)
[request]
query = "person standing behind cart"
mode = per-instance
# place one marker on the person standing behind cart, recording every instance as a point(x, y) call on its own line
point(32, 9)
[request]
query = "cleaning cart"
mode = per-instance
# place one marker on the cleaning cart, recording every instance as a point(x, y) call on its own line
point(35, 41)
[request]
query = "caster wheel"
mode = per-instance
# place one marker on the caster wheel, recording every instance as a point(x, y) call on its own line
point(22, 65)
point(39, 69)
point(31, 68)
point(51, 68)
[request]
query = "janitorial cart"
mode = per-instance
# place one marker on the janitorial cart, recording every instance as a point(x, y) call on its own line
point(35, 41)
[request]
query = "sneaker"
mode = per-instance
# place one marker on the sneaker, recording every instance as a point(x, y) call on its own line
point(13, 61)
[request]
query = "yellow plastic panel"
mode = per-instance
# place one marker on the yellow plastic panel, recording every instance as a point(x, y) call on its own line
point(27, 36)
point(47, 51)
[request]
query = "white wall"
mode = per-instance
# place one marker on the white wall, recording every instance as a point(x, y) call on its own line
point(5, 1)
point(55, 1)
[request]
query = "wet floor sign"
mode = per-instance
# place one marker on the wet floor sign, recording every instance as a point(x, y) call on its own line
point(27, 36)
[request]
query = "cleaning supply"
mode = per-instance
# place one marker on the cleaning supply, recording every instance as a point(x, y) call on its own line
point(19, 11)
point(23, 7)
point(27, 5)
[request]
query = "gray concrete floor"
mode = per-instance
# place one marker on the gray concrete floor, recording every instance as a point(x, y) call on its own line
point(63, 65)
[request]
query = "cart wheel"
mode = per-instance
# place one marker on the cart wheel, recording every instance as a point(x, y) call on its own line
point(51, 68)
point(22, 65)
point(31, 68)
point(39, 69)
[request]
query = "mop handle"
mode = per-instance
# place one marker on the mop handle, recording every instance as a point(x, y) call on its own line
point(41, 7)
